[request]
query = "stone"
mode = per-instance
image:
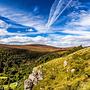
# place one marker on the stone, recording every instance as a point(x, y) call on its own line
point(28, 84)
point(65, 63)
point(40, 75)
point(73, 70)
point(33, 79)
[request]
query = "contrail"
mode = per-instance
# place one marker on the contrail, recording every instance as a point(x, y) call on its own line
point(53, 8)
point(56, 10)
point(62, 11)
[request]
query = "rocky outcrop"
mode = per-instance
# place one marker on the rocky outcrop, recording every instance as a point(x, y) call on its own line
point(33, 79)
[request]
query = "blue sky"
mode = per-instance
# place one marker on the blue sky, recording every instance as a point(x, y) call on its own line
point(61, 23)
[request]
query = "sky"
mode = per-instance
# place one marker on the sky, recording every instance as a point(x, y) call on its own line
point(59, 23)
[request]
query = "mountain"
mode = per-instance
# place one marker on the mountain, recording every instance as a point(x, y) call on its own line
point(71, 72)
point(34, 47)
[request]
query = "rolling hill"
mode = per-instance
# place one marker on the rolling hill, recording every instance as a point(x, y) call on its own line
point(34, 47)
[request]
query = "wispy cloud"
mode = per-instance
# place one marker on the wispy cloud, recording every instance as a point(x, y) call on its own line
point(58, 7)
point(79, 26)
point(23, 18)
point(24, 40)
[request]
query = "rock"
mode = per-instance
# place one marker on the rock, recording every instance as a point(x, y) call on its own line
point(73, 70)
point(41, 88)
point(33, 79)
point(39, 76)
point(28, 84)
point(65, 63)
point(67, 70)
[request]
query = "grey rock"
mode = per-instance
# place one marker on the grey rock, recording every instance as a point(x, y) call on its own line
point(28, 84)
point(33, 79)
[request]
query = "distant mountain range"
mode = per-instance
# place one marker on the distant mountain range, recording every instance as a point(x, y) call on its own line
point(35, 47)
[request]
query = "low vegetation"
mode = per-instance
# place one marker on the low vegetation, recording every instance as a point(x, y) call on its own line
point(75, 75)
point(16, 63)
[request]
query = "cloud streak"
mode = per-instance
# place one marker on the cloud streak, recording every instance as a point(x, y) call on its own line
point(58, 7)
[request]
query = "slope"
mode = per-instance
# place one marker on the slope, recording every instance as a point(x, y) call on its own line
point(16, 62)
point(67, 73)
point(34, 47)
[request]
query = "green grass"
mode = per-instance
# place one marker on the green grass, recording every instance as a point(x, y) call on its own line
point(56, 76)
point(3, 77)
point(12, 86)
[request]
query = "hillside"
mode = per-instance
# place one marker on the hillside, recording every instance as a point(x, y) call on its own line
point(17, 62)
point(71, 72)
point(34, 47)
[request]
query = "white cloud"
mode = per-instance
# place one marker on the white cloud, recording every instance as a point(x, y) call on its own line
point(24, 40)
point(80, 26)
point(3, 28)
point(84, 19)
point(3, 24)
point(23, 18)
point(3, 32)
point(78, 32)
point(52, 39)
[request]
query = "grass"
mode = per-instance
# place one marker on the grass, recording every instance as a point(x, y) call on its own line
point(58, 77)
point(3, 77)
point(12, 85)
